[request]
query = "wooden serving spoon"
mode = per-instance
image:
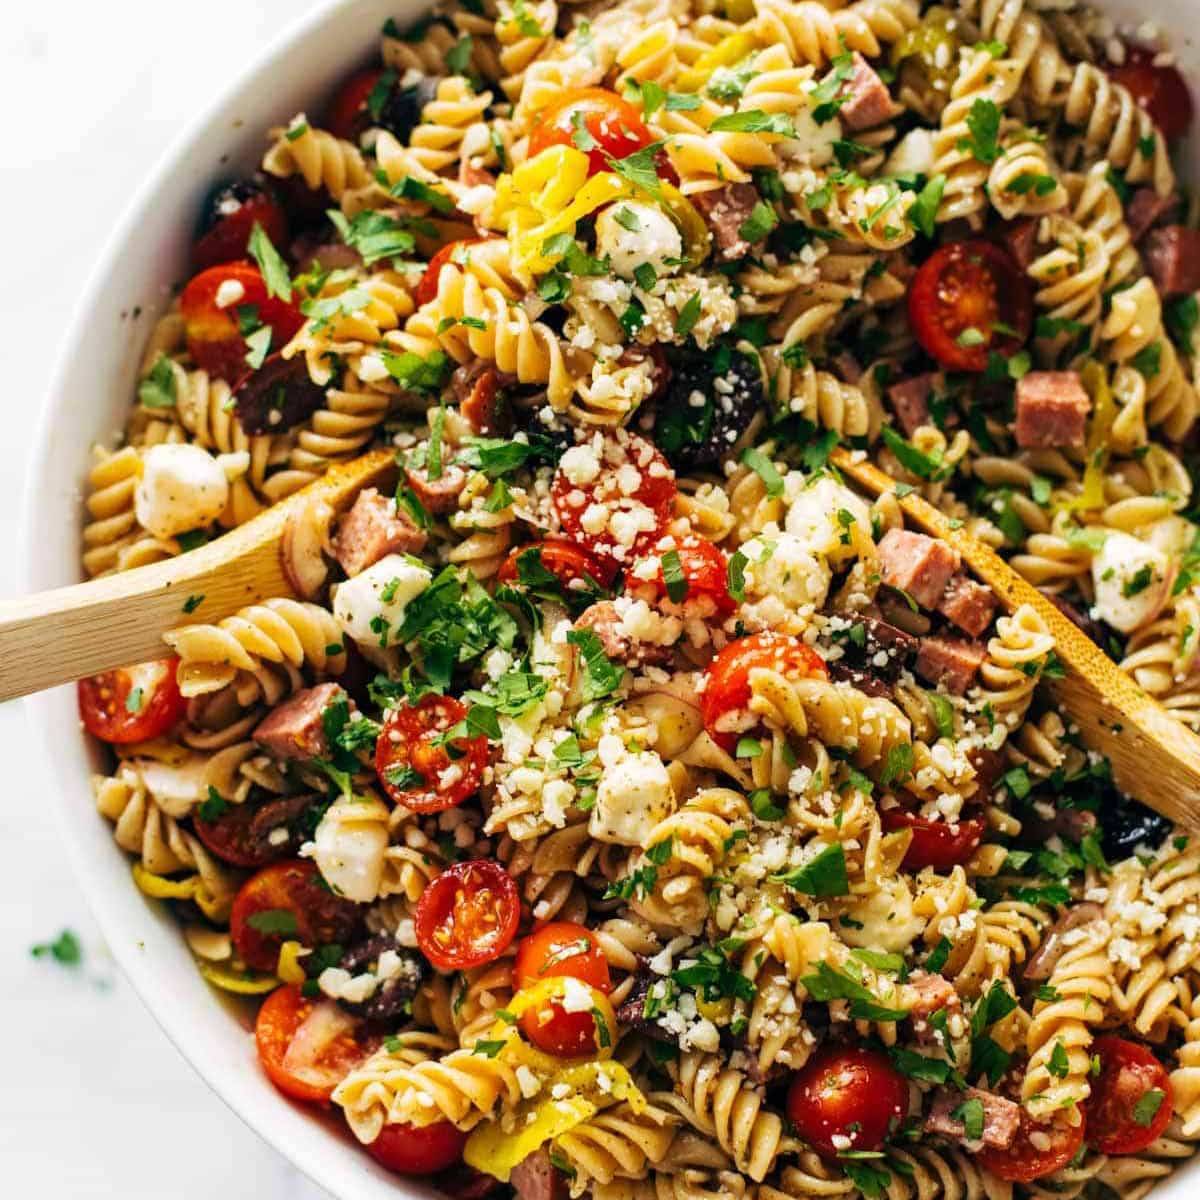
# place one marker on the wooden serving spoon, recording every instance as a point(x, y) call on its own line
point(119, 620)
point(1155, 758)
point(72, 632)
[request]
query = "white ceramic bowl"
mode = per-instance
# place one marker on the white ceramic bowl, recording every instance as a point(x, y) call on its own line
point(88, 401)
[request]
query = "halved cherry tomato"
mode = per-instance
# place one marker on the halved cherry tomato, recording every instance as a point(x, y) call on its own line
point(468, 915)
point(561, 949)
point(307, 1047)
point(635, 488)
point(230, 215)
point(1120, 1113)
point(418, 1150)
point(132, 704)
point(937, 844)
point(427, 288)
point(1161, 91)
point(613, 123)
point(419, 770)
point(210, 305)
point(288, 900)
point(1035, 1152)
point(705, 573)
point(727, 690)
point(965, 300)
point(571, 565)
point(242, 834)
point(850, 1092)
point(347, 116)
point(486, 407)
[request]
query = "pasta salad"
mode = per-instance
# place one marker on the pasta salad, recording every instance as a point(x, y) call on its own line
point(624, 806)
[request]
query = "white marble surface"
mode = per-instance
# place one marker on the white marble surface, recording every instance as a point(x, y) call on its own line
point(95, 1100)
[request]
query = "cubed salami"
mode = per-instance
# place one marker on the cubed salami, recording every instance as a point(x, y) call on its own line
point(917, 564)
point(1172, 257)
point(968, 604)
point(910, 401)
point(725, 210)
point(1146, 208)
point(1001, 1117)
point(372, 529)
point(295, 729)
point(1052, 410)
point(951, 662)
point(867, 102)
point(1019, 238)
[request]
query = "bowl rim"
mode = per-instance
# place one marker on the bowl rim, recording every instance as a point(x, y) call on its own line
point(343, 1172)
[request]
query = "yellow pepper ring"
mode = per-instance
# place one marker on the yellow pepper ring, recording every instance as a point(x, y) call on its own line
point(545, 991)
point(725, 53)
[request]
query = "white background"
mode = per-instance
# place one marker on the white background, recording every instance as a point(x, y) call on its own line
point(94, 1101)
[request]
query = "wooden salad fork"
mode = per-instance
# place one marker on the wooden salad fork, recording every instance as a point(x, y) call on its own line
point(72, 632)
point(1155, 758)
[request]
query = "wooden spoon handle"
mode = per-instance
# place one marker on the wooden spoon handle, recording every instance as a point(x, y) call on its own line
point(1155, 758)
point(72, 632)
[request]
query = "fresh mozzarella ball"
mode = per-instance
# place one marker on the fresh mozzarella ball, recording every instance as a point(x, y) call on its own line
point(913, 154)
point(648, 235)
point(183, 487)
point(349, 846)
point(1172, 535)
point(813, 519)
point(360, 601)
point(1132, 581)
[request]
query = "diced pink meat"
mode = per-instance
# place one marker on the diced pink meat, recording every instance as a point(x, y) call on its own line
point(604, 620)
point(953, 662)
point(438, 495)
point(931, 994)
point(1052, 410)
point(725, 210)
point(534, 1178)
point(1146, 208)
point(1019, 238)
point(910, 401)
point(867, 100)
point(1172, 257)
point(968, 604)
point(372, 529)
point(917, 564)
point(295, 729)
point(1001, 1117)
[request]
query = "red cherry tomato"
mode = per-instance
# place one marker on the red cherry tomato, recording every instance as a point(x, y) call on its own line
point(428, 287)
point(849, 1092)
point(348, 116)
point(1161, 91)
point(307, 1047)
point(214, 337)
point(1027, 1159)
point(635, 483)
point(937, 844)
point(613, 123)
point(705, 573)
point(132, 704)
point(285, 901)
point(1128, 1073)
point(468, 915)
point(232, 212)
point(727, 689)
point(963, 299)
point(561, 949)
point(418, 1150)
point(571, 565)
point(414, 766)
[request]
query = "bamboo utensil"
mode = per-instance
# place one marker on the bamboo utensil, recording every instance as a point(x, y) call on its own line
point(1155, 758)
point(72, 632)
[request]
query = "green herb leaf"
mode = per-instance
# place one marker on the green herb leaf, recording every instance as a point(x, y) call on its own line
point(764, 468)
point(157, 390)
point(278, 921)
point(823, 875)
point(270, 263)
